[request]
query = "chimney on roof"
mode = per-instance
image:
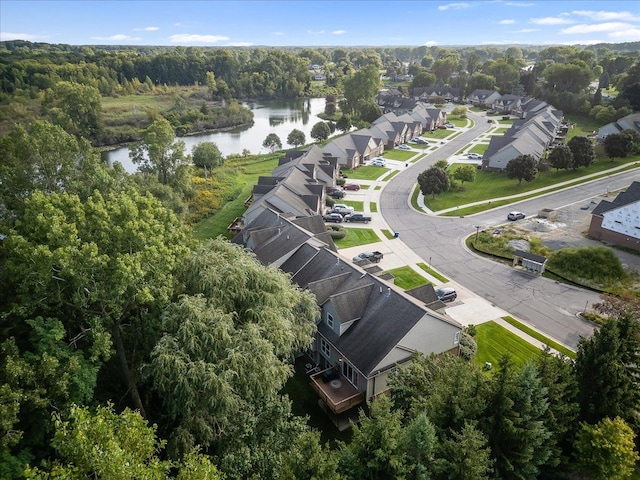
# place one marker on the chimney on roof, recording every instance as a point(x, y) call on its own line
point(388, 291)
point(380, 289)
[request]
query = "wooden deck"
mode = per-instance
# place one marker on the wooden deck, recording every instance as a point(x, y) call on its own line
point(339, 395)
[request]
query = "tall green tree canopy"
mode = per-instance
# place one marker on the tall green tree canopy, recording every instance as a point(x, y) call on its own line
point(103, 267)
point(433, 181)
point(296, 138)
point(320, 131)
point(362, 86)
point(272, 142)
point(523, 167)
point(228, 342)
point(207, 155)
point(77, 108)
point(159, 153)
point(582, 150)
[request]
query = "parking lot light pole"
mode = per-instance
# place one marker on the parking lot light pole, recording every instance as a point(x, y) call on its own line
point(478, 227)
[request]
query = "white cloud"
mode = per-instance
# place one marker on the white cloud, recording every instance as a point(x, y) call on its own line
point(151, 29)
point(195, 38)
point(430, 43)
point(116, 38)
point(603, 16)
point(315, 32)
point(583, 42)
point(455, 6)
point(527, 30)
point(596, 27)
point(507, 21)
point(278, 34)
point(339, 32)
point(550, 21)
point(631, 35)
point(4, 36)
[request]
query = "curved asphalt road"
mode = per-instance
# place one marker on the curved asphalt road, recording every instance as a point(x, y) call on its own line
point(549, 306)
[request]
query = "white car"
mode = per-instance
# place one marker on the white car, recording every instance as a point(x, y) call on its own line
point(419, 140)
point(379, 162)
point(449, 125)
point(474, 156)
point(403, 147)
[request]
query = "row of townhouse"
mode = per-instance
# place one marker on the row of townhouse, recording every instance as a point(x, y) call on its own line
point(367, 326)
point(539, 128)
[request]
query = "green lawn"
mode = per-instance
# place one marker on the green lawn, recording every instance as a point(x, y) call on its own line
point(387, 233)
point(489, 185)
point(365, 172)
point(373, 207)
point(439, 134)
point(357, 236)
point(402, 155)
point(358, 206)
point(433, 273)
point(495, 341)
point(540, 337)
point(407, 278)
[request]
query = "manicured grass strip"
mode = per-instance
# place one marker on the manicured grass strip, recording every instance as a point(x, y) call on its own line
point(387, 233)
point(365, 172)
point(407, 278)
point(391, 175)
point(364, 187)
point(357, 236)
point(373, 207)
point(495, 341)
point(489, 185)
point(495, 203)
point(403, 155)
point(377, 187)
point(540, 337)
point(358, 206)
point(433, 273)
point(414, 198)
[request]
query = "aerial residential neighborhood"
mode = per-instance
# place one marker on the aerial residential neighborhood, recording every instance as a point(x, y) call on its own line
point(309, 240)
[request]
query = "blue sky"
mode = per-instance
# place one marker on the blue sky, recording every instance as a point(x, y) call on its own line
point(320, 23)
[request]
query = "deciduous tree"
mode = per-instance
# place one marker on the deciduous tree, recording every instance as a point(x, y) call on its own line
point(105, 444)
point(226, 351)
point(523, 167)
point(583, 151)
point(320, 131)
point(158, 152)
point(77, 108)
point(606, 450)
point(617, 145)
point(561, 157)
point(272, 142)
point(465, 173)
point(207, 155)
point(296, 138)
point(434, 181)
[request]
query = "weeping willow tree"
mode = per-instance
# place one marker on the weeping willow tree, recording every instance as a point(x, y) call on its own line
point(226, 355)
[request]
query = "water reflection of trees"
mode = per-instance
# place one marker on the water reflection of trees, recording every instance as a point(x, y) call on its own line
point(291, 117)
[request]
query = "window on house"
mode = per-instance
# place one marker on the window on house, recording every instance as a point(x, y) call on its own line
point(350, 373)
point(456, 338)
point(325, 348)
point(330, 320)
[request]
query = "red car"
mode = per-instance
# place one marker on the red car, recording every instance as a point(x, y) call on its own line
point(351, 186)
point(441, 127)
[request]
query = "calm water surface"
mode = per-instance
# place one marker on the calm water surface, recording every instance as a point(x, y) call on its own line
point(277, 116)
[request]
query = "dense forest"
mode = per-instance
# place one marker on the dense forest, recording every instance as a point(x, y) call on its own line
point(130, 350)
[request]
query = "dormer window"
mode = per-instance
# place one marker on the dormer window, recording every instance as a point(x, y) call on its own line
point(330, 320)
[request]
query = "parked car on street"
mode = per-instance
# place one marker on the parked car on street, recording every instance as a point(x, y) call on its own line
point(515, 216)
point(379, 162)
point(333, 218)
point(374, 257)
point(352, 186)
point(357, 217)
point(337, 194)
point(474, 156)
point(441, 127)
point(419, 140)
point(446, 294)
point(449, 125)
point(404, 147)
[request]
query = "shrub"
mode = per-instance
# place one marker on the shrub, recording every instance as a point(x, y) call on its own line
point(468, 346)
point(598, 264)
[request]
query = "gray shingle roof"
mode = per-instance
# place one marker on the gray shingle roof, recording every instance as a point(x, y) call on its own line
point(630, 195)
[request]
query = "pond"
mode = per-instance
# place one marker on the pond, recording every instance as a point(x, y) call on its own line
point(274, 116)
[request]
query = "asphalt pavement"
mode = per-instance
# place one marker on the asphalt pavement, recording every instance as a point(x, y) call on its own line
point(487, 290)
